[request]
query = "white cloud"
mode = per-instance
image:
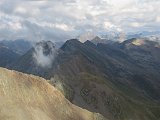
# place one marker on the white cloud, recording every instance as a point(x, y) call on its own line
point(136, 24)
point(108, 25)
point(158, 19)
point(20, 10)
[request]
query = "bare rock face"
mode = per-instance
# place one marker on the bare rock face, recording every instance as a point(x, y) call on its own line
point(27, 97)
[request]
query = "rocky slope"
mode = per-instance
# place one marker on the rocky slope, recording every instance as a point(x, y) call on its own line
point(27, 97)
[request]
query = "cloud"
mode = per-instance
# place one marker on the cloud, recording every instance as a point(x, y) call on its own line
point(136, 24)
point(60, 20)
point(44, 54)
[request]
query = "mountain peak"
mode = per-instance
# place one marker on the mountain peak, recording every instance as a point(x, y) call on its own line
point(86, 36)
point(72, 43)
point(96, 38)
point(90, 44)
point(46, 46)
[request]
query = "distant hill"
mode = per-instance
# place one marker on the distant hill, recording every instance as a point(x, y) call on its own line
point(19, 46)
point(7, 56)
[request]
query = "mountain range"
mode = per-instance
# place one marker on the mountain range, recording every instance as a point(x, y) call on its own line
point(118, 80)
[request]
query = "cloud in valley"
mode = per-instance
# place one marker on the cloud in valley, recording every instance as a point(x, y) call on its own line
point(44, 54)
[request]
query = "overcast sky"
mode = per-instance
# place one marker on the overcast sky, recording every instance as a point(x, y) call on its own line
point(64, 19)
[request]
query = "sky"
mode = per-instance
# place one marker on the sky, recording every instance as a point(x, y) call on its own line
point(59, 20)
